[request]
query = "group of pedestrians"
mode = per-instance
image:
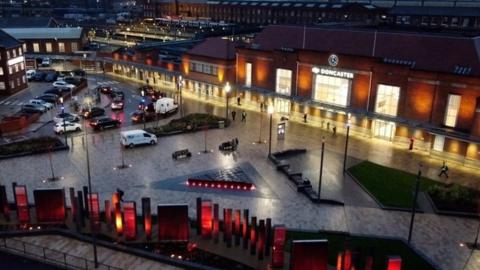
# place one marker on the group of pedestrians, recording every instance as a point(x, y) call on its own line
point(244, 116)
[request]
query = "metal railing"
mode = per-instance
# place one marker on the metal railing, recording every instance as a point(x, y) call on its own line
point(56, 257)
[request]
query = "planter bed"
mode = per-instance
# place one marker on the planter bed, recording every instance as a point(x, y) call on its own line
point(189, 123)
point(31, 146)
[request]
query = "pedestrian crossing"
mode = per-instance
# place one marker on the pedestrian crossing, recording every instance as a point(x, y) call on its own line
point(12, 103)
point(108, 83)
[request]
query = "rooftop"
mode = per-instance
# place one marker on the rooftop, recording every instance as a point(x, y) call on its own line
point(7, 41)
point(216, 48)
point(45, 33)
point(24, 22)
point(423, 51)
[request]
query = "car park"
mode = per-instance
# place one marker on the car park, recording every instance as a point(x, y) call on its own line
point(32, 108)
point(147, 90)
point(135, 137)
point(41, 103)
point(60, 128)
point(117, 103)
point(72, 80)
point(63, 85)
point(70, 117)
point(104, 122)
point(78, 72)
point(104, 89)
point(51, 98)
point(92, 112)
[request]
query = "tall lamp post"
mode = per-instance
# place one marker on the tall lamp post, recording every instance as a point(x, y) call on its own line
point(64, 126)
point(270, 113)
point(180, 85)
point(414, 203)
point(144, 110)
point(227, 91)
point(94, 240)
point(321, 168)
point(346, 147)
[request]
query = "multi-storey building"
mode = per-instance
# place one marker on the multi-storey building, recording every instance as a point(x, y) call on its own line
point(12, 65)
point(394, 86)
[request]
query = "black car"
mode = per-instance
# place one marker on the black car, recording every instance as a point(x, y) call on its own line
point(39, 76)
point(51, 77)
point(115, 93)
point(104, 122)
point(72, 80)
point(50, 98)
point(147, 90)
point(107, 90)
point(93, 112)
point(137, 116)
point(54, 91)
point(78, 72)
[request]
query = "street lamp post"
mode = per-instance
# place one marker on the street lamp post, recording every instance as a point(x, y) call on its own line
point(414, 203)
point(144, 110)
point(321, 168)
point(270, 113)
point(179, 85)
point(346, 147)
point(260, 129)
point(94, 240)
point(227, 91)
point(64, 126)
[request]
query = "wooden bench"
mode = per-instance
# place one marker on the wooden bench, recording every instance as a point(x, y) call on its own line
point(184, 153)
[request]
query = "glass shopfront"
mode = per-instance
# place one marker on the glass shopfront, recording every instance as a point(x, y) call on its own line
point(332, 90)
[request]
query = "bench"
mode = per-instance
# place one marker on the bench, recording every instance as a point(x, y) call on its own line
point(227, 146)
point(184, 153)
point(282, 164)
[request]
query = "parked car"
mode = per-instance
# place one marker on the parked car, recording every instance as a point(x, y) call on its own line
point(92, 112)
point(30, 74)
point(41, 103)
point(104, 122)
point(51, 77)
point(39, 76)
point(50, 98)
point(33, 108)
point(70, 117)
point(54, 91)
point(63, 85)
point(117, 103)
point(104, 89)
point(72, 80)
point(135, 137)
point(59, 128)
point(78, 72)
point(137, 116)
point(46, 62)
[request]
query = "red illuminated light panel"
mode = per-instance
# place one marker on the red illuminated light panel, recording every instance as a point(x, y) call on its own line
point(394, 263)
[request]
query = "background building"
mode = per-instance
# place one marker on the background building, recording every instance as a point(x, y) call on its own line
point(12, 65)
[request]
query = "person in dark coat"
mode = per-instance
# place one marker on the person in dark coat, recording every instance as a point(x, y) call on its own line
point(234, 113)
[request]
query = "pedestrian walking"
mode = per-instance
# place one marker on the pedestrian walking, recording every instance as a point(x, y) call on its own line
point(236, 143)
point(244, 116)
point(234, 113)
point(443, 170)
point(238, 100)
point(412, 140)
point(261, 106)
point(305, 118)
point(328, 126)
point(334, 129)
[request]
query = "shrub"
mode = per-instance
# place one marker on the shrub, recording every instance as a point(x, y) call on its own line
point(190, 122)
point(30, 145)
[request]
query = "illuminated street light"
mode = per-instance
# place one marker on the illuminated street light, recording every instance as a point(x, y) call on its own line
point(270, 112)
point(227, 91)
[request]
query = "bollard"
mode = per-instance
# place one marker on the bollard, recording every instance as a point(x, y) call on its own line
point(83, 142)
point(71, 142)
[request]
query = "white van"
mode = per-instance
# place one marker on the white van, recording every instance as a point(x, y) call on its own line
point(135, 137)
point(30, 73)
point(165, 106)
